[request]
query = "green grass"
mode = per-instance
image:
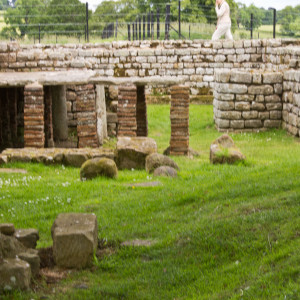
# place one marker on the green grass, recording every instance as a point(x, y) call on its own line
point(221, 231)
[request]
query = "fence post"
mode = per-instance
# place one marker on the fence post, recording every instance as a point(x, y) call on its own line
point(140, 28)
point(148, 25)
point(136, 29)
point(39, 33)
point(152, 25)
point(128, 29)
point(157, 19)
point(189, 31)
point(167, 25)
point(179, 21)
point(251, 26)
point(116, 34)
point(144, 27)
point(133, 32)
point(274, 21)
point(87, 20)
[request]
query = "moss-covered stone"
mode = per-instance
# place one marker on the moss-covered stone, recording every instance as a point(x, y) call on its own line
point(223, 150)
point(98, 167)
point(156, 160)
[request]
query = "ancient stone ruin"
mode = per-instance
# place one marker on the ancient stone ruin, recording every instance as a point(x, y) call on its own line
point(54, 95)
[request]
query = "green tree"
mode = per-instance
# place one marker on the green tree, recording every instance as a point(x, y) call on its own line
point(66, 17)
point(4, 4)
point(23, 18)
point(287, 17)
point(245, 16)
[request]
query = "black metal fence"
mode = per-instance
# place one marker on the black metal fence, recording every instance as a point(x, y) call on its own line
point(163, 21)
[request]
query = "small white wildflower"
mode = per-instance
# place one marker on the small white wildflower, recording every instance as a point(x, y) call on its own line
point(69, 200)
point(237, 262)
point(132, 169)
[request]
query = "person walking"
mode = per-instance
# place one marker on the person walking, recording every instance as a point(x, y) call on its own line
point(224, 22)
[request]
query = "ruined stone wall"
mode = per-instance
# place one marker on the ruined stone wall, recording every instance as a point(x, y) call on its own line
point(195, 61)
point(247, 101)
point(291, 102)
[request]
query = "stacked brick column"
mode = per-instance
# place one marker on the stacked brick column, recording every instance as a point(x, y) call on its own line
point(179, 115)
point(86, 116)
point(34, 116)
point(127, 101)
point(141, 112)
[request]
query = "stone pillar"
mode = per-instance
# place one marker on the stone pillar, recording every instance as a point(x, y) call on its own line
point(179, 115)
point(59, 109)
point(127, 99)
point(34, 116)
point(101, 114)
point(49, 141)
point(141, 112)
point(86, 116)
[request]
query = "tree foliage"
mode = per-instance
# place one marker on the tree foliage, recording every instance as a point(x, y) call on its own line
point(245, 16)
point(289, 18)
point(23, 18)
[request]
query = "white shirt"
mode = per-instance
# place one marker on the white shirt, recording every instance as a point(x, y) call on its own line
point(223, 13)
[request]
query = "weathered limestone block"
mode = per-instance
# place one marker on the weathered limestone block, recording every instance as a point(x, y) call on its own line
point(3, 159)
point(222, 123)
point(240, 76)
point(32, 258)
point(222, 76)
point(14, 274)
point(7, 228)
point(223, 150)
point(247, 115)
point(231, 88)
point(75, 238)
point(131, 152)
point(253, 124)
point(260, 89)
point(28, 237)
point(223, 105)
point(269, 78)
point(98, 167)
point(243, 106)
point(223, 97)
point(74, 159)
point(272, 123)
point(156, 160)
point(230, 115)
point(237, 124)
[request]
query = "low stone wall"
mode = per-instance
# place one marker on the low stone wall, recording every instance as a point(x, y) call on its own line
point(291, 102)
point(195, 60)
point(247, 101)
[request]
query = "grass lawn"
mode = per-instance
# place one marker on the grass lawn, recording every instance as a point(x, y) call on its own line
point(218, 231)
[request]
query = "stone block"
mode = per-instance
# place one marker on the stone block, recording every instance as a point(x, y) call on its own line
point(14, 274)
point(7, 228)
point(242, 106)
point(272, 123)
point(240, 77)
point(75, 238)
point(264, 115)
point(237, 124)
point(131, 152)
point(231, 88)
point(258, 106)
point(28, 237)
point(230, 115)
point(260, 89)
point(253, 124)
point(32, 258)
point(221, 123)
point(274, 77)
point(274, 106)
point(253, 114)
point(275, 114)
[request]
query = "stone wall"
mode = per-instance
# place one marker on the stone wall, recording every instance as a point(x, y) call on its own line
point(291, 102)
point(195, 61)
point(247, 101)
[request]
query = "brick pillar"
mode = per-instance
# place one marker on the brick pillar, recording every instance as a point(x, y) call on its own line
point(141, 112)
point(127, 99)
point(34, 135)
point(86, 116)
point(49, 141)
point(179, 115)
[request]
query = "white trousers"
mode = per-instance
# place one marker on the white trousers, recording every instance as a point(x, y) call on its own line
point(222, 29)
